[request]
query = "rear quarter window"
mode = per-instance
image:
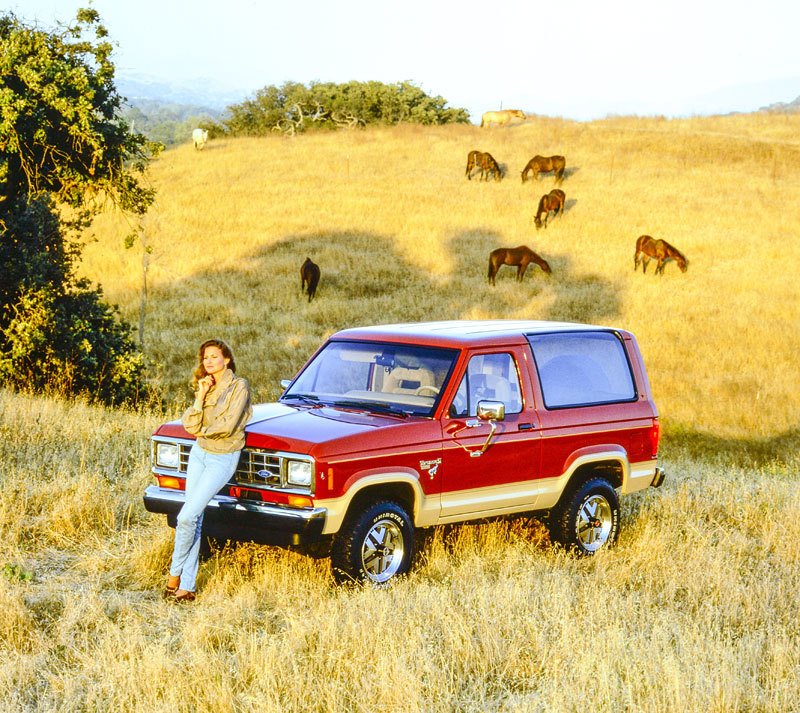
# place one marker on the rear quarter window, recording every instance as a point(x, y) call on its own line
point(582, 369)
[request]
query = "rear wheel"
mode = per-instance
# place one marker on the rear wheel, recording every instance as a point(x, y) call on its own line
point(374, 545)
point(587, 519)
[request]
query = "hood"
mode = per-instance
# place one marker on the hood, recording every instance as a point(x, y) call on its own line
point(299, 428)
point(319, 431)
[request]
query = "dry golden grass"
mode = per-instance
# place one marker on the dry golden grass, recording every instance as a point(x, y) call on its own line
point(697, 609)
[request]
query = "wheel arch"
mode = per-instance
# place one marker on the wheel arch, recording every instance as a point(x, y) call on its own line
point(402, 487)
point(397, 491)
point(612, 470)
point(609, 463)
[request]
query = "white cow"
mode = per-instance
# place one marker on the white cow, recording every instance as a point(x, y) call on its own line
point(199, 136)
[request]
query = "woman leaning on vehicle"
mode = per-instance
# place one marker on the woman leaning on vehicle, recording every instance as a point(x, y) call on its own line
point(217, 419)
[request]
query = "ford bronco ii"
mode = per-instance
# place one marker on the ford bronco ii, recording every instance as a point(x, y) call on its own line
point(392, 428)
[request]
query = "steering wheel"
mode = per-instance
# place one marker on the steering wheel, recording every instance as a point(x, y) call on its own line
point(459, 406)
point(422, 388)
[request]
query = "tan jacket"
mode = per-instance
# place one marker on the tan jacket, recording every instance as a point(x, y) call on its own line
point(219, 426)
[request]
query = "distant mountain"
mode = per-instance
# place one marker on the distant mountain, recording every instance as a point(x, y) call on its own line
point(168, 111)
point(200, 92)
point(785, 107)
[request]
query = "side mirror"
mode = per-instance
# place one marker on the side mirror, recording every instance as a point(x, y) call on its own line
point(491, 410)
point(285, 383)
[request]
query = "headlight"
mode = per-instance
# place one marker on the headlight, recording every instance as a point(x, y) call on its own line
point(299, 473)
point(168, 455)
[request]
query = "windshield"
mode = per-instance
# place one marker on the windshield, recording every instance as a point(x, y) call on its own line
point(392, 378)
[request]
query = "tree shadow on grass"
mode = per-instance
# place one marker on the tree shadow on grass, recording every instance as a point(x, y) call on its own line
point(569, 296)
point(256, 303)
point(684, 442)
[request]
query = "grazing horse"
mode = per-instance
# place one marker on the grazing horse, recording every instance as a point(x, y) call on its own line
point(502, 117)
point(661, 250)
point(472, 162)
point(545, 164)
point(199, 137)
point(520, 256)
point(551, 201)
point(309, 278)
point(485, 163)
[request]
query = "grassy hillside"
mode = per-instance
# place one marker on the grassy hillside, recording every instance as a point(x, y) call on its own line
point(697, 609)
point(400, 234)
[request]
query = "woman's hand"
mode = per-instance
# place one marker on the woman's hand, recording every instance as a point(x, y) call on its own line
point(203, 385)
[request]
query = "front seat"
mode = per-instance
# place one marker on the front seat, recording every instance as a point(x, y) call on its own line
point(404, 380)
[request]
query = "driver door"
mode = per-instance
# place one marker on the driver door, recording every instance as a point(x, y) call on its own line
point(501, 478)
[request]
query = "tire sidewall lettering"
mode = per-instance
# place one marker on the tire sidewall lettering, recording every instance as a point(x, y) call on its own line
point(387, 516)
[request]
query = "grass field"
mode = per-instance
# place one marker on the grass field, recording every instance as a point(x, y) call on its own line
point(697, 609)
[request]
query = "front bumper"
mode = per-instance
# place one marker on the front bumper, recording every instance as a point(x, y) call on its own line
point(228, 518)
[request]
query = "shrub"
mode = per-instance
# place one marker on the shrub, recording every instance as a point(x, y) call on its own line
point(293, 107)
point(71, 343)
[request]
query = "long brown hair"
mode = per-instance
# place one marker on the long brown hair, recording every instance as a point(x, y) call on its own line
point(200, 370)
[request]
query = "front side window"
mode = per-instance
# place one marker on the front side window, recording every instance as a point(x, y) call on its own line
point(490, 377)
point(400, 378)
point(582, 369)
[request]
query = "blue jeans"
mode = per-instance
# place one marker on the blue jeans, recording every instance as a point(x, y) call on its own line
point(206, 473)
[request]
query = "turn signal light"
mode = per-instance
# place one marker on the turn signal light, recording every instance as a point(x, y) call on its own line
point(300, 501)
point(170, 481)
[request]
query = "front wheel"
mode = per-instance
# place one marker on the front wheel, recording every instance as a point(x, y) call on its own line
point(374, 545)
point(588, 517)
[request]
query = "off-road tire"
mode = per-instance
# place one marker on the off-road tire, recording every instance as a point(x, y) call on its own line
point(587, 517)
point(375, 545)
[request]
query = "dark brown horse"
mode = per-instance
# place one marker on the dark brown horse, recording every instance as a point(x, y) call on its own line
point(545, 164)
point(553, 201)
point(661, 250)
point(485, 163)
point(472, 162)
point(520, 256)
point(309, 278)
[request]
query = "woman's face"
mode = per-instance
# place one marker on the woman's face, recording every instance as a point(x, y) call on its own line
point(213, 360)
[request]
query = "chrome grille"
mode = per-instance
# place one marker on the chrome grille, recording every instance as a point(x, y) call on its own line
point(257, 467)
point(185, 448)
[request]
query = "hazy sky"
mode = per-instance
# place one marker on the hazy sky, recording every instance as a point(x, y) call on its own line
point(579, 59)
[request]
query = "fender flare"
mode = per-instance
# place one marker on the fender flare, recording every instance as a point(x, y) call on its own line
point(601, 453)
point(425, 509)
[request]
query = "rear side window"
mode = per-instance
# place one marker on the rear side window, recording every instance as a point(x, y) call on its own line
point(582, 369)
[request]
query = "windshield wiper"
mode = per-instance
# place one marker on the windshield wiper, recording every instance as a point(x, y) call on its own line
point(379, 406)
point(305, 398)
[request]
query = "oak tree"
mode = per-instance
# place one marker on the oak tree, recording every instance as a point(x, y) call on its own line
point(65, 152)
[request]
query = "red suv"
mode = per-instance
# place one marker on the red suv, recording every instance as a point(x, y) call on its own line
point(392, 428)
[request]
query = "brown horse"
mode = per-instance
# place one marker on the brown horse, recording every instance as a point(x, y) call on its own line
point(472, 162)
point(520, 256)
point(485, 163)
point(545, 164)
point(661, 250)
point(551, 201)
point(309, 278)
